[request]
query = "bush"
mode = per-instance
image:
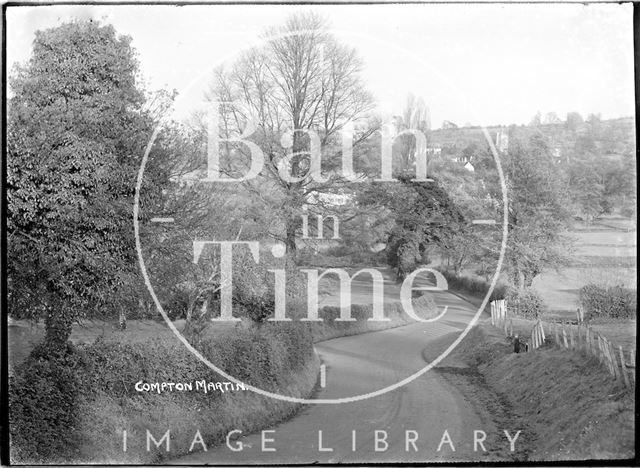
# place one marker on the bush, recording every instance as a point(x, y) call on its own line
point(43, 411)
point(65, 408)
point(338, 251)
point(324, 261)
point(474, 286)
point(525, 303)
point(608, 302)
point(425, 306)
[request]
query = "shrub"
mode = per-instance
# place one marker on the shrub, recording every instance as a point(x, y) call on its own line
point(43, 411)
point(610, 302)
point(338, 251)
point(425, 306)
point(324, 261)
point(525, 303)
point(474, 286)
point(60, 402)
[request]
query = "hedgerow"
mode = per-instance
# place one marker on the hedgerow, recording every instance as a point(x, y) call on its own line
point(525, 303)
point(608, 301)
point(69, 407)
point(473, 286)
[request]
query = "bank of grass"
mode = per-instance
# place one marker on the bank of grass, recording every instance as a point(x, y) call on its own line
point(568, 400)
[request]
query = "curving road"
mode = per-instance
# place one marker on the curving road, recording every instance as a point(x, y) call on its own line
point(365, 363)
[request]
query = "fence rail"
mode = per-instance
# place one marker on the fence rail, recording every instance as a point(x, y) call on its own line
point(579, 337)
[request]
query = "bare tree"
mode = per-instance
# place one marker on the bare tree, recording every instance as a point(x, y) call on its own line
point(303, 88)
point(415, 117)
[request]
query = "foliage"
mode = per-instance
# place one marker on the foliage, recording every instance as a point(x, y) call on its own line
point(471, 244)
point(425, 304)
point(474, 286)
point(43, 395)
point(525, 303)
point(538, 209)
point(423, 215)
point(338, 251)
point(608, 301)
point(53, 395)
point(75, 130)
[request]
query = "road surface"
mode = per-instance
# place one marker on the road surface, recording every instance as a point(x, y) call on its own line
point(427, 407)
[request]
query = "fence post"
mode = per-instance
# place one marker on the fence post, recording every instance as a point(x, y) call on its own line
point(511, 326)
point(579, 331)
point(588, 338)
point(607, 357)
point(493, 306)
point(532, 340)
point(614, 360)
point(573, 343)
point(601, 353)
point(564, 336)
point(555, 330)
point(539, 333)
point(623, 367)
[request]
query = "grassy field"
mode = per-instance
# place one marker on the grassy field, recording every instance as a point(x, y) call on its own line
point(605, 253)
point(560, 288)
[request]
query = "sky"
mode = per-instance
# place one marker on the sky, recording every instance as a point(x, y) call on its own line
point(480, 64)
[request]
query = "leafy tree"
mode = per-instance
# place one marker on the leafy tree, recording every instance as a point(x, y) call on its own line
point(423, 216)
point(470, 244)
point(537, 210)
point(587, 188)
point(75, 132)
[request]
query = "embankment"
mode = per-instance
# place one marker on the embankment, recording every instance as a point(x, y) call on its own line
point(566, 402)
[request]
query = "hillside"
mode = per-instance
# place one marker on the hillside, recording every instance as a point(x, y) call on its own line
point(613, 136)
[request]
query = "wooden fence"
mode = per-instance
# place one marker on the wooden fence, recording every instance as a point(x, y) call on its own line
point(579, 337)
point(583, 338)
point(537, 336)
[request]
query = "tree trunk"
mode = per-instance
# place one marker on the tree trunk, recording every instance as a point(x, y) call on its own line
point(122, 322)
point(519, 277)
point(290, 241)
point(58, 325)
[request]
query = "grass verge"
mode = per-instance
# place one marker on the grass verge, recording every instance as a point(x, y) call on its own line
point(567, 403)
